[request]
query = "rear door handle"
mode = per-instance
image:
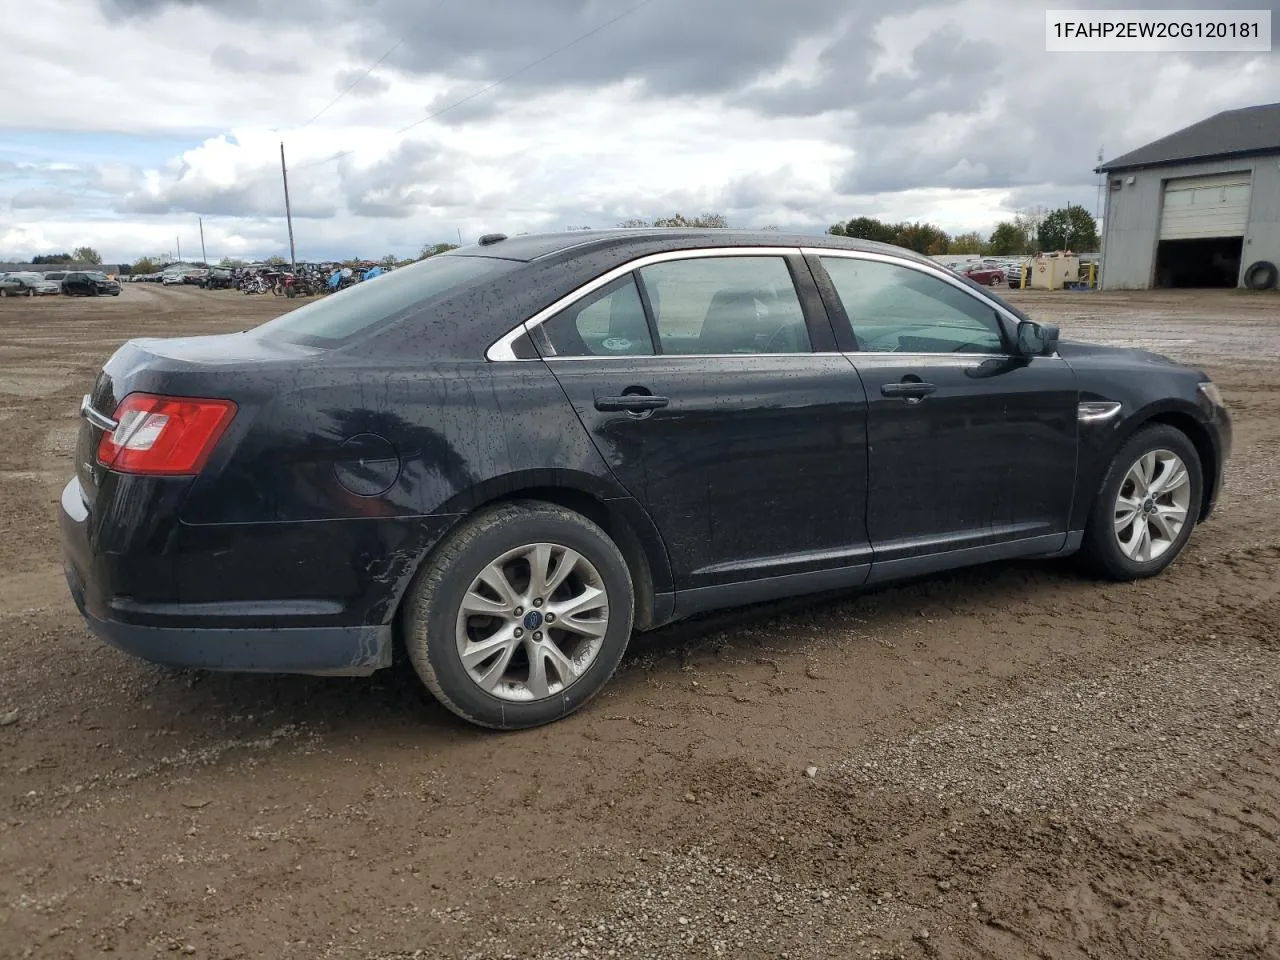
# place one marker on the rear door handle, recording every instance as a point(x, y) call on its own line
point(631, 402)
point(910, 390)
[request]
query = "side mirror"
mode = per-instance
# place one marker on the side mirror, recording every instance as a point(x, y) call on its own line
point(1036, 339)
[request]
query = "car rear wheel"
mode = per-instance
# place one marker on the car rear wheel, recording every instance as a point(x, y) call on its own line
point(996, 281)
point(521, 616)
point(1147, 506)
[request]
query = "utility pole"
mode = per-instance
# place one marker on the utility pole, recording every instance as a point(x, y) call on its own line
point(178, 240)
point(1097, 210)
point(459, 236)
point(203, 256)
point(288, 213)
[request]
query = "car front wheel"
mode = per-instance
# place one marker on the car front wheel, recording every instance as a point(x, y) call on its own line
point(521, 616)
point(1147, 506)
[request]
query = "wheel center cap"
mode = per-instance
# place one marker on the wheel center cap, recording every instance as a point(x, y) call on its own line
point(1149, 505)
point(532, 620)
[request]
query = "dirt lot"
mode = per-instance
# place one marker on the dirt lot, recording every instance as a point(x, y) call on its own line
point(1011, 761)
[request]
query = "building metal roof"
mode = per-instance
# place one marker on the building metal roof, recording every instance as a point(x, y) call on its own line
point(1233, 133)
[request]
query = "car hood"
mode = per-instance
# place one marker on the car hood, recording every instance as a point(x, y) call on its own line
point(1095, 356)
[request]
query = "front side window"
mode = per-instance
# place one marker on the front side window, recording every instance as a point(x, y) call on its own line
point(726, 305)
point(898, 309)
point(608, 323)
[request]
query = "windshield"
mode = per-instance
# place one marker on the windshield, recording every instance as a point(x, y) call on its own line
point(382, 300)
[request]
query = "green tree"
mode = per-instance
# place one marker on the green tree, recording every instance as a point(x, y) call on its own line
point(1069, 228)
point(52, 258)
point(275, 261)
point(922, 238)
point(432, 249)
point(86, 255)
point(866, 228)
point(145, 265)
point(389, 261)
point(970, 242)
point(1008, 239)
point(231, 262)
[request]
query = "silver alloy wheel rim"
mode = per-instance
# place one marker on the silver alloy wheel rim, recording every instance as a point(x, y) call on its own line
point(1152, 505)
point(532, 622)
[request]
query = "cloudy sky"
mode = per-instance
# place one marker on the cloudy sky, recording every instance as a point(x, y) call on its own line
point(122, 121)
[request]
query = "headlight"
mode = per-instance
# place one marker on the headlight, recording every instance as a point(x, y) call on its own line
point(1210, 391)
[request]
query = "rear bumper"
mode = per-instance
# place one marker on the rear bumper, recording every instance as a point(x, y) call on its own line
point(330, 651)
point(252, 635)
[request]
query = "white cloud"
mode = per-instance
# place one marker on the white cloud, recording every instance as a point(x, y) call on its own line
point(948, 114)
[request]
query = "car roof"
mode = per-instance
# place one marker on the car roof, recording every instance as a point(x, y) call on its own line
point(528, 247)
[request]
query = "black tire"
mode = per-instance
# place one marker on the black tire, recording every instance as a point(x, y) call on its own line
point(1262, 275)
point(1101, 553)
point(429, 614)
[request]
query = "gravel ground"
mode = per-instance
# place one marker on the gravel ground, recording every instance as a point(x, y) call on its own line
point(1004, 762)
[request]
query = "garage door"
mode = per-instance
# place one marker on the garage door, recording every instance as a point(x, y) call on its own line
point(1196, 207)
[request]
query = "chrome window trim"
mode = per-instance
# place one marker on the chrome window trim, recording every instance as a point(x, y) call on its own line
point(702, 356)
point(938, 273)
point(501, 351)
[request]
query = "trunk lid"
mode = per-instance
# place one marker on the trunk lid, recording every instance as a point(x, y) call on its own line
point(220, 366)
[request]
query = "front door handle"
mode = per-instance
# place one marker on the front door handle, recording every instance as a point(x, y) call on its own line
point(631, 402)
point(909, 390)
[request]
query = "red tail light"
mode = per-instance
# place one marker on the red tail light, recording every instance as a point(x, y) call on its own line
point(167, 436)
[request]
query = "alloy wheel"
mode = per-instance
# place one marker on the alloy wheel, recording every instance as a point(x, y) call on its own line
point(1152, 506)
point(532, 622)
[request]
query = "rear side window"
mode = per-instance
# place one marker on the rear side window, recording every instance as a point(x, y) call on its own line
point(726, 305)
point(370, 304)
point(608, 323)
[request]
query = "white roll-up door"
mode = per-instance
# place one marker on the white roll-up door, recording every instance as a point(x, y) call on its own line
point(1197, 207)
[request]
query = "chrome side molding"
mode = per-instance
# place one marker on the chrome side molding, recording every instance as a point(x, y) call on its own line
point(1097, 411)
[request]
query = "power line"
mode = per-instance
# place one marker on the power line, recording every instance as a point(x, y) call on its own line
point(351, 86)
point(373, 66)
point(496, 83)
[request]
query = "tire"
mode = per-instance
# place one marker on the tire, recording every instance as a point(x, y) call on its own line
point(1104, 550)
point(996, 281)
point(1262, 275)
point(432, 617)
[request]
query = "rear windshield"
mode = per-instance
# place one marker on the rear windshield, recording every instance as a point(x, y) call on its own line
point(339, 317)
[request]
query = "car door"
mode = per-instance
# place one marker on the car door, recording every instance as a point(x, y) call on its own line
point(711, 385)
point(972, 447)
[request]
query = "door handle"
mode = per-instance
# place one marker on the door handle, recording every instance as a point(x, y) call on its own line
point(631, 402)
point(911, 390)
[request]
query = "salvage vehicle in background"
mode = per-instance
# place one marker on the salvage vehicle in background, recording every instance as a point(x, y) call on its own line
point(989, 275)
point(90, 284)
point(508, 456)
point(27, 284)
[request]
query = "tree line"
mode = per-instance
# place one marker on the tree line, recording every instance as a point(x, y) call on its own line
point(78, 255)
point(1030, 231)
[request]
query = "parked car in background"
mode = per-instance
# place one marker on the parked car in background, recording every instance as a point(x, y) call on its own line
point(218, 278)
point(27, 284)
point(510, 455)
point(1013, 272)
point(988, 275)
point(90, 284)
point(57, 276)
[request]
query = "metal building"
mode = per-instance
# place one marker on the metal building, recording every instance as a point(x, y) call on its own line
point(1198, 208)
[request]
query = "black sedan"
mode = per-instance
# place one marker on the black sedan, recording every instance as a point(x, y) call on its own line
point(90, 284)
point(509, 456)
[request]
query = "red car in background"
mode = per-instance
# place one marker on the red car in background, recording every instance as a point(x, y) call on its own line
point(985, 274)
